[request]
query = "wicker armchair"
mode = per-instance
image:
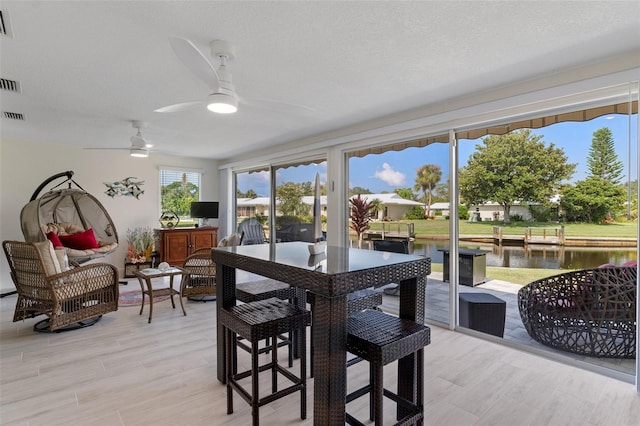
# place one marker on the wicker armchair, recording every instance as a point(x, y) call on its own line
point(589, 312)
point(70, 299)
point(200, 284)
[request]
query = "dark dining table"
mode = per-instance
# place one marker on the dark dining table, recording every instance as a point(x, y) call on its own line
point(331, 276)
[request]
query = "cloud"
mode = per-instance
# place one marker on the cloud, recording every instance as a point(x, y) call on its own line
point(390, 176)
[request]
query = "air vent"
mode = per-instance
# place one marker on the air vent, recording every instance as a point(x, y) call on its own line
point(13, 115)
point(9, 85)
point(5, 26)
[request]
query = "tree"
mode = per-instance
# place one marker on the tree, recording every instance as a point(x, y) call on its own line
point(376, 204)
point(177, 196)
point(249, 194)
point(360, 216)
point(602, 160)
point(290, 196)
point(442, 192)
point(358, 190)
point(516, 167)
point(406, 193)
point(427, 177)
point(591, 200)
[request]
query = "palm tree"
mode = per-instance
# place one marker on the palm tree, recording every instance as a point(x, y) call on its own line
point(427, 177)
point(376, 204)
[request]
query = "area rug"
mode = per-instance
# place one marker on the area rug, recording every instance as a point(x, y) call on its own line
point(134, 298)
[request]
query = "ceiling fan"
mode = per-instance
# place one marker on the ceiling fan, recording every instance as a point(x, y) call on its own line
point(139, 144)
point(223, 98)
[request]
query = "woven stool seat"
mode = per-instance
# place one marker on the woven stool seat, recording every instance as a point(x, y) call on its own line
point(256, 321)
point(381, 339)
point(252, 291)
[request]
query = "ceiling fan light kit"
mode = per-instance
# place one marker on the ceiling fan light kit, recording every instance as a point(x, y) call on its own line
point(139, 152)
point(222, 103)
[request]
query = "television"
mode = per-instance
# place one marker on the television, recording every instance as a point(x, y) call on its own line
point(204, 210)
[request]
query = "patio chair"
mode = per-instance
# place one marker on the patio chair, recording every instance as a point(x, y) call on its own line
point(588, 312)
point(394, 246)
point(200, 284)
point(70, 299)
point(252, 232)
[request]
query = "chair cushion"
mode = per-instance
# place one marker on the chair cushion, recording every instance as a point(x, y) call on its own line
point(80, 241)
point(62, 228)
point(49, 258)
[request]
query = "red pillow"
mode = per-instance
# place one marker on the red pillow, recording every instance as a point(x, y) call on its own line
point(53, 237)
point(80, 241)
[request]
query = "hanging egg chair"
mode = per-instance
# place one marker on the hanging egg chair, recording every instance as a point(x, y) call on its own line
point(80, 223)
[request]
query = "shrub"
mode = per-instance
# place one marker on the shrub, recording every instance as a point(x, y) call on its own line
point(516, 218)
point(416, 213)
point(463, 213)
point(541, 213)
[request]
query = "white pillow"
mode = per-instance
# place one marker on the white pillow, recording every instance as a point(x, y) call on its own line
point(233, 239)
point(49, 258)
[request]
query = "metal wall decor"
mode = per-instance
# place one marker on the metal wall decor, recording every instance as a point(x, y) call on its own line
point(127, 187)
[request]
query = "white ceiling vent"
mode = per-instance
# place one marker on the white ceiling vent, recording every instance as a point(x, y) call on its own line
point(5, 25)
point(9, 85)
point(13, 116)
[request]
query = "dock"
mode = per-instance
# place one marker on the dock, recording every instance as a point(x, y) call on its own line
point(549, 236)
point(392, 231)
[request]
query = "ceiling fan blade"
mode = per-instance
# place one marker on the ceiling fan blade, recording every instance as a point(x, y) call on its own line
point(279, 106)
point(110, 149)
point(184, 106)
point(195, 60)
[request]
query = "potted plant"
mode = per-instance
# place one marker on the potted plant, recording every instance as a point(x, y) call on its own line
point(140, 244)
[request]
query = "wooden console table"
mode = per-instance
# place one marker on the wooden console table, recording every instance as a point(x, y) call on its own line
point(175, 245)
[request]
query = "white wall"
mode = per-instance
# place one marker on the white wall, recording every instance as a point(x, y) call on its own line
point(25, 165)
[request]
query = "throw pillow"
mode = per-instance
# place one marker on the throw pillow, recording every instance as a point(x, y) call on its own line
point(48, 256)
point(233, 239)
point(53, 237)
point(81, 241)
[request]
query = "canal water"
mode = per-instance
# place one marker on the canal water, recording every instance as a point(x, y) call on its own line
point(534, 256)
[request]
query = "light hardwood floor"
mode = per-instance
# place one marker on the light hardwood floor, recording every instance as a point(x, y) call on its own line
point(124, 371)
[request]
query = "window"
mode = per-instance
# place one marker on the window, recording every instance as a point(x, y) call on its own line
point(178, 188)
point(294, 185)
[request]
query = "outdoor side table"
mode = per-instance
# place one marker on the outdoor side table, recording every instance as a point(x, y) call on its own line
point(147, 275)
point(483, 312)
point(472, 266)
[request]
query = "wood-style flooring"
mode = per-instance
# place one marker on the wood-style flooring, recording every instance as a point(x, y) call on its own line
point(124, 372)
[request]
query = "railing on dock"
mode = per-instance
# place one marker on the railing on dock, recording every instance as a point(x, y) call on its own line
point(532, 235)
point(391, 230)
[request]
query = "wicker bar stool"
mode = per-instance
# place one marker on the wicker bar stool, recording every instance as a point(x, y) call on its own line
point(256, 321)
point(252, 291)
point(381, 339)
point(356, 301)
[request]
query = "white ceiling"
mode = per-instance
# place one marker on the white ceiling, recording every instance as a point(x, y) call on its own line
point(88, 68)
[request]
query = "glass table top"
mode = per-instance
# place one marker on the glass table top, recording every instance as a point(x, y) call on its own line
point(335, 260)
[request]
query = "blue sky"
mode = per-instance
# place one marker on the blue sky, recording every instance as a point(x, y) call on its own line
point(397, 169)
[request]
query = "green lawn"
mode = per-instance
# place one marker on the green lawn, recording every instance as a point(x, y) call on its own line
point(520, 276)
point(441, 227)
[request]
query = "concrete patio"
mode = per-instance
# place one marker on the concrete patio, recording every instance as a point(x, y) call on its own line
point(437, 313)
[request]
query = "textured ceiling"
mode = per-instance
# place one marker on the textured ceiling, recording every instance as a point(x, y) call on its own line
point(88, 68)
